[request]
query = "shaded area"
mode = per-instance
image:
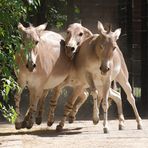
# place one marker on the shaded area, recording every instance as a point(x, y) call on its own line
point(44, 132)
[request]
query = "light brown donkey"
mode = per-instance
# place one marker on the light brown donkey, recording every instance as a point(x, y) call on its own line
point(76, 35)
point(42, 65)
point(99, 62)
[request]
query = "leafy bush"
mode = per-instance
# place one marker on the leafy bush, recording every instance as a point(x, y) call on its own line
point(11, 13)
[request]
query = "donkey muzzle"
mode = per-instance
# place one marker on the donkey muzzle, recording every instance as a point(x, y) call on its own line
point(69, 50)
point(104, 69)
point(30, 66)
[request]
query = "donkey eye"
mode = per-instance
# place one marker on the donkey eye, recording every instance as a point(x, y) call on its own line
point(80, 34)
point(68, 32)
point(114, 48)
point(36, 42)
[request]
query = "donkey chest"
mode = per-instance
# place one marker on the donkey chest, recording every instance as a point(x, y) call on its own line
point(31, 80)
point(98, 79)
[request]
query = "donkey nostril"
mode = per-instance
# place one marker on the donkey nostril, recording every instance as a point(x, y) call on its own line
point(34, 65)
point(26, 65)
point(101, 68)
point(104, 69)
point(36, 42)
point(107, 68)
point(72, 48)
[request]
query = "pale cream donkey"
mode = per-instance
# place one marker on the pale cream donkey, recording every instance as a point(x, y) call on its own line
point(42, 65)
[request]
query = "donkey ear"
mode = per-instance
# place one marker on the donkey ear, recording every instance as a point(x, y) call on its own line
point(87, 32)
point(41, 27)
point(21, 27)
point(117, 33)
point(100, 27)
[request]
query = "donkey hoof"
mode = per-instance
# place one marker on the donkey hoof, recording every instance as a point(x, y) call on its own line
point(59, 128)
point(106, 131)
point(49, 123)
point(121, 127)
point(29, 124)
point(95, 122)
point(38, 120)
point(139, 127)
point(71, 119)
point(18, 125)
point(24, 124)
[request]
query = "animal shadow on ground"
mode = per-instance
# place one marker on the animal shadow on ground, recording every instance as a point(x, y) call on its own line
point(44, 132)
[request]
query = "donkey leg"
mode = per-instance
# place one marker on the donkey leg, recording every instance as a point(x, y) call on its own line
point(52, 104)
point(105, 95)
point(117, 99)
point(40, 107)
point(94, 93)
point(53, 101)
point(34, 98)
point(105, 116)
point(127, 88)
point(79, 102)
point(69, 105)
point(18, 121)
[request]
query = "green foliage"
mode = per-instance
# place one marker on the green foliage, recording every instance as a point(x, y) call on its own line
point(9, 84)
point(35, 4)
point(11, 13)
point(77, 10)
point(56, 14)
point(9, 113)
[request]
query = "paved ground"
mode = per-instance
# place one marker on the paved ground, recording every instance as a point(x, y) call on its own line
point(81, 134)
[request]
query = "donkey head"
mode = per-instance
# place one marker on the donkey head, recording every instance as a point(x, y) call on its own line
point(106, 46)
point(30, 37)
point(76, 34)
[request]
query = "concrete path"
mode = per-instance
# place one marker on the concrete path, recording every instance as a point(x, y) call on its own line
point(81, 134)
